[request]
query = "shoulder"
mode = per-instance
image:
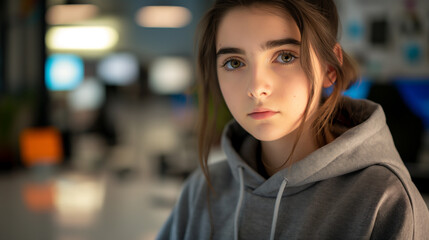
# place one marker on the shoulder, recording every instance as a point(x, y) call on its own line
point(383, 180)
point(193, 185)
point(394, 211)
point(401, 210)
point(376, 189)
point(380, 172)
point(196, 184)
point(217, 170)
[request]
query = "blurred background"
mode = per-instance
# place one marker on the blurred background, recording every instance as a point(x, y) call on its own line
point(98, 107)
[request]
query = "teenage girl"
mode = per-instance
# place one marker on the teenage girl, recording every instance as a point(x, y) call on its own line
point(300, 164)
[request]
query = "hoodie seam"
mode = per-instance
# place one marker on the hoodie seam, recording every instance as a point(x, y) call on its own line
point(410, 201)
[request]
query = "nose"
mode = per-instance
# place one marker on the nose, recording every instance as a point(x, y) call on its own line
point(259, 85)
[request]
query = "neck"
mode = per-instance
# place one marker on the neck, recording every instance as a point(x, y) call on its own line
point(275, 153)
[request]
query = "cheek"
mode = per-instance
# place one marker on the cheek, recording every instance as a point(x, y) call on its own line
point(227, 88)
point(226, 92)
point(294, 85)
point(222, 84)
point(294, 90)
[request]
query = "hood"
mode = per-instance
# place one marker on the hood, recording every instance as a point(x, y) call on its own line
point(367, 142)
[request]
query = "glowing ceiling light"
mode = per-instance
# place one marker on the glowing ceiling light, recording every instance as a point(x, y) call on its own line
point(163, 17)
point(70, 13)
point(81, 38)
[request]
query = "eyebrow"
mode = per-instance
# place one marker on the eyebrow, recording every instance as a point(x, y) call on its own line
point(267, 45)
point(229, 51)
point(280, 42)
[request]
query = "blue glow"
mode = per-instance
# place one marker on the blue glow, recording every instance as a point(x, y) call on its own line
point(415, 93)
point(413, 53)
point(358, 90)
point(355, 30)
point(63, 72)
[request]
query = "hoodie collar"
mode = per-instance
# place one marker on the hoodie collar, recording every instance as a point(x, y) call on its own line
point(349, 152)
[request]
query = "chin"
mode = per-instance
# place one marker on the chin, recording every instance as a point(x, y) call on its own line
point(267, 134)
point(265, 137)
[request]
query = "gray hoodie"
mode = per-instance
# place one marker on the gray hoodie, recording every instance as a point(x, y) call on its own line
point(355, 187)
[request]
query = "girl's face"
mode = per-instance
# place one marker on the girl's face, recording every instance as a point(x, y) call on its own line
point(259, 71)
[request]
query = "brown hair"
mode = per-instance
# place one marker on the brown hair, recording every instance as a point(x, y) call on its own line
point(318, 23)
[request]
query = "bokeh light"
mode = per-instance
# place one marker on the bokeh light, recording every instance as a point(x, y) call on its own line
point(81, 38)
point(163, 17)
point(63, 72)
point(90, 95)
point(170, 75)
point(119, 69)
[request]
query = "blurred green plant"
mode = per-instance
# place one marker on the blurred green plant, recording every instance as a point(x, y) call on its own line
point(15, 114)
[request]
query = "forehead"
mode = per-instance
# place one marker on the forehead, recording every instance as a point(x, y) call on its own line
point(255, 24)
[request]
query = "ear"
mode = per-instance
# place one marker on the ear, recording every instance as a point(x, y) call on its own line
point(338, 50)
point(331, 74)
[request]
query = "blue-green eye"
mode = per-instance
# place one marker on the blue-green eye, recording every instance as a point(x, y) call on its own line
point(233, 64)
point(285, 57)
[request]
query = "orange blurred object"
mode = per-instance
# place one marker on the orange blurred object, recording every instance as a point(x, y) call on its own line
point(39, 197)
point(41, 146)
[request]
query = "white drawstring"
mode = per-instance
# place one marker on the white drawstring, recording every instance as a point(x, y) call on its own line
point(276, 208)
point(240, 202)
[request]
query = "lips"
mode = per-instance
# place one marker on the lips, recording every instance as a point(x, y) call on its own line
point(262, 113)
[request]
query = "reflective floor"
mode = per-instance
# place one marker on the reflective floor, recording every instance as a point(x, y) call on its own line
point(51, 204)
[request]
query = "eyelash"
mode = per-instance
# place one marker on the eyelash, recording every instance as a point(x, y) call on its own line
point(278, 54)
point(228, 60)
point(286, 53)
